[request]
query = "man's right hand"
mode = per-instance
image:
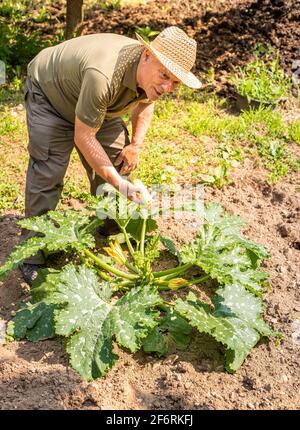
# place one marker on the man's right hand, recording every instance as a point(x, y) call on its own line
point(137, 193)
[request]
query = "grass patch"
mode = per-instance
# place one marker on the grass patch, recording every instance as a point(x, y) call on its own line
point(11, 196)
point(294, 131)
point(193, 138)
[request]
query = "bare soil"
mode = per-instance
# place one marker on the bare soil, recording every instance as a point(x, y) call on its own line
point(37, 376)
point(226, 31)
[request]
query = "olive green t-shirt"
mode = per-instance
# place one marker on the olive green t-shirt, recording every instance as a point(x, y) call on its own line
point(93, 77)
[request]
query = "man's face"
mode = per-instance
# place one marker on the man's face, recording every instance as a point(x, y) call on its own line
point(155, 79)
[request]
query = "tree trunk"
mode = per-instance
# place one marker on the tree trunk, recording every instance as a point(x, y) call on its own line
point(74, 18)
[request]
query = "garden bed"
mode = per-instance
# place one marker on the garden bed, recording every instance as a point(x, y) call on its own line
point(37, 375)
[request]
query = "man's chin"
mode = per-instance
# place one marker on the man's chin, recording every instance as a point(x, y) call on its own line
point(152, 95)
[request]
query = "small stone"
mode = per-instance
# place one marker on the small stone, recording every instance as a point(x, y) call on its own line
point(155, 366)
point(280, 269)
point(171, 359)
point(187, 385)
point(268, 387)
point(282, 230)
point(284, 378)
point(251, 405)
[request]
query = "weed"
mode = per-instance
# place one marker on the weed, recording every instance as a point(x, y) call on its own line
point(294, 131)
point(111, 4)
point(262, 79)
point(10, 196)
point(147, 33)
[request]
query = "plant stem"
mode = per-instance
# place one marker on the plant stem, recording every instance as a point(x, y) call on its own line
point(131, 267)
point(163, 307)
point(143, 233)
point(100, 273)
point(137, 247)
point(107, 267)
point(131, 250)
point(103, 275)
point(198, 280)
point(176, 271)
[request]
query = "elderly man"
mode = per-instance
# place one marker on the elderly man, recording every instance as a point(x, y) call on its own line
point(76, 92)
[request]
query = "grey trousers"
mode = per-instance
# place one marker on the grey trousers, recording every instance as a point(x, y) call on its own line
point(51, 141)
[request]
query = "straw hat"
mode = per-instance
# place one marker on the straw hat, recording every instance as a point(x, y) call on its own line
point(177, 52)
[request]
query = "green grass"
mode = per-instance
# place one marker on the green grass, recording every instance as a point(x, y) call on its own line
point(11, 196)
point(294, 131)
point(201, 129)
point(12, 122)
point(76, 188)
point(263, 79)
point(193, 138)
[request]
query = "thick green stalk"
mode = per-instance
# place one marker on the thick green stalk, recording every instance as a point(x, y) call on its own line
point(129, 246)
point(163, 307)
point(143, 234)
point(100, 273)
point(174, 271)
point(131, 267)
point(198, 280)
point(103, 275)
point(107, 267)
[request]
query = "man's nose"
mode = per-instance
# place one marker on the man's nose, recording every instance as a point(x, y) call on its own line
point(167, 86)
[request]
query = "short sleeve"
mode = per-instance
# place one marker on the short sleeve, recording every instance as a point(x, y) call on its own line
point(93, 99)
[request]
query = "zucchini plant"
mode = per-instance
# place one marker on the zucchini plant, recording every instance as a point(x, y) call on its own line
point(99, 299)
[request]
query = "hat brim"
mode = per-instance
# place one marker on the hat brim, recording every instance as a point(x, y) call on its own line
point(187, 78)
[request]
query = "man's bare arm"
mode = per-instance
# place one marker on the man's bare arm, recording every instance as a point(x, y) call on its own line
point(140, 118)
point(93, 152)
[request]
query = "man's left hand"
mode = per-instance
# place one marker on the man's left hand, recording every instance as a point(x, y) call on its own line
point(130, 157)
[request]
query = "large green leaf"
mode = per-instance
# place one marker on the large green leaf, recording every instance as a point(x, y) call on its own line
point(234, 302)
point(170, 246)
point(222, 252)
point(171, 329)
point(85, 312)
point(133, 318)
point(83, 320)
point(134, 227)
point(34, 321)
point(235, 321)
point(90, 320)
point(59, 232)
